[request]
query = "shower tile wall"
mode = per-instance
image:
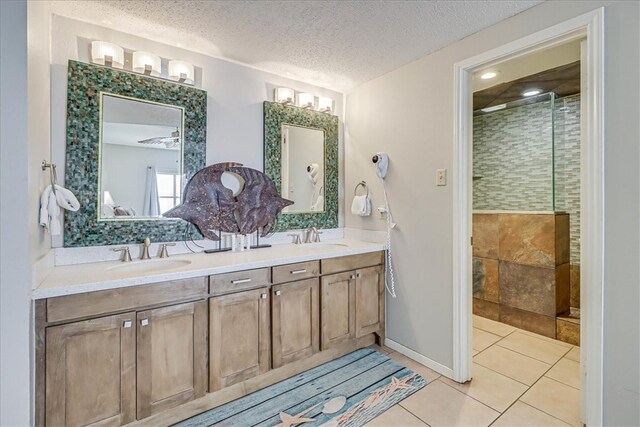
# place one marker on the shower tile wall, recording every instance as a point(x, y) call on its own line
point(521, 269)
point(512, 152)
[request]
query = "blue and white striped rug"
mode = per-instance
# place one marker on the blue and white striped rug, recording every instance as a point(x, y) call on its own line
point(355, 388)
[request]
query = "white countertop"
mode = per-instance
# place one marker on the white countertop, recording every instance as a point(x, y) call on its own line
point(75, 279)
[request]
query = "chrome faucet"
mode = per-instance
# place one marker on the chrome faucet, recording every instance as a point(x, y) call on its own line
point(312, 235)
point(145, 249)
point(126, 255)
point(164, 253)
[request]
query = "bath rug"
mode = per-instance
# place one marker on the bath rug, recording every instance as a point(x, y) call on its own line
point(345, 392)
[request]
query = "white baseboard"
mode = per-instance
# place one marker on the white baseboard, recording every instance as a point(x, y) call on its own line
point(423, 360)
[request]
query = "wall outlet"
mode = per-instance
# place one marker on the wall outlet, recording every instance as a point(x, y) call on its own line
point(441, 177)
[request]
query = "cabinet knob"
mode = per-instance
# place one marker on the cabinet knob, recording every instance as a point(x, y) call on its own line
point(358, 275)
point(353, 276)
point(144, 322)
point(278, 293)
point(263, 296)
point(127, 324)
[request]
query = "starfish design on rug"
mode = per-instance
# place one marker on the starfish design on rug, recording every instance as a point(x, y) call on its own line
point(378, 397)
point(293, 420)
point(397, 384)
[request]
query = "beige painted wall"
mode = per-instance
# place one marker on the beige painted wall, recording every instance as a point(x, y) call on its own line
point(409, 114)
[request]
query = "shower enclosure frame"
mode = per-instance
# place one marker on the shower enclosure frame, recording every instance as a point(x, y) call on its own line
point(591, 26)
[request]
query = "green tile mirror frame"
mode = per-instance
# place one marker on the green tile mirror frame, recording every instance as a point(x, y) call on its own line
point(85, 85)
point(275, 116)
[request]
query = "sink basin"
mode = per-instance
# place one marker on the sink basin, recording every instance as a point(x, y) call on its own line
point(149, 266)
point(329, 245)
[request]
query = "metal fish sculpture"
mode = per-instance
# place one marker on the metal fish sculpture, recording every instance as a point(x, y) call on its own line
point(211, 206)
point(259, 202)
point(207, 203)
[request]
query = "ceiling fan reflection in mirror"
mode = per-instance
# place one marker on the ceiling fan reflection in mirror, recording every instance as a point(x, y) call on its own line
point(172, 141)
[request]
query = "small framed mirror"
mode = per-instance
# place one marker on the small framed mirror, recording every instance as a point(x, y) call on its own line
point(302, 169)
point(301, 157)
point(141, 168)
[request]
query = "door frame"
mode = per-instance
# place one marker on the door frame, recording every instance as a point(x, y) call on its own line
point(591, 26)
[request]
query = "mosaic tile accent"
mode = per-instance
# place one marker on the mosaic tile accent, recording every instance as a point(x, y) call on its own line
point(85, 82)
point(275, 115)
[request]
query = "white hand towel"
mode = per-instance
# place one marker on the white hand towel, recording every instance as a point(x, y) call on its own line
point(50, 205)
point(361, 205)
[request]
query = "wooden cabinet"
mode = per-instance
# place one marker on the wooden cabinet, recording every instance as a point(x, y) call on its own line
point(369, 300)
point(90, 372)
point(172, 341)
point(338, 309)
point(239, 337)
point(295, 321)
point(171, 356)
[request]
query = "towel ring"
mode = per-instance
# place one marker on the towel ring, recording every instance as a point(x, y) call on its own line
point(52, 174)
point(363, 184)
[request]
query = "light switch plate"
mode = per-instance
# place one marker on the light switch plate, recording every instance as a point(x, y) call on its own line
point(441, 177)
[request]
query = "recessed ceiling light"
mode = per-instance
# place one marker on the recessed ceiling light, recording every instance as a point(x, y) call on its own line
point(494, 108)
point(489, 75)
point(531, 92)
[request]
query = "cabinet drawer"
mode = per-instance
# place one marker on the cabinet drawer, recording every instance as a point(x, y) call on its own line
point(351, 262)
point(238, 280)
point(113, 300)
point(298, 271)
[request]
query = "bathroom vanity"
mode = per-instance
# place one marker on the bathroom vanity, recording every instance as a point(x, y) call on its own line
point(114, 346)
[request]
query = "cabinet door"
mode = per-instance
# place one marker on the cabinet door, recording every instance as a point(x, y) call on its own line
point(90, 372)
point(239, 339)
point(172, 356)
point(369, 300)
point(296, 328)
point(338, 309)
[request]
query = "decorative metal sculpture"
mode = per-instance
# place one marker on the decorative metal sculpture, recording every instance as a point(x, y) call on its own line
point(211, 206)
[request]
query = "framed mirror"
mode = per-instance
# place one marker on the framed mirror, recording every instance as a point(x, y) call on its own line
point(133, 142)
point(301, 157)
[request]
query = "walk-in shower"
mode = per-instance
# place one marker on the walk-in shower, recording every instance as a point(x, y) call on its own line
point(526, 221)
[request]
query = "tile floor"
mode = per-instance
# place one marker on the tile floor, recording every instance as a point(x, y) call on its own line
point(519, 379)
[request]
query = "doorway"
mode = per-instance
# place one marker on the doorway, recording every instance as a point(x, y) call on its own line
point(590, 28)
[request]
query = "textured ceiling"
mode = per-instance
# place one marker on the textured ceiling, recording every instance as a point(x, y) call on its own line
point(334, 44)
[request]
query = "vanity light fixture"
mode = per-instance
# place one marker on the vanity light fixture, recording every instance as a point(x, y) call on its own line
point(181, 71)
point(109, 54)
point(305, 100)
point(531, 92)
point(146, 63)
point(325, 104)
point(488, 75)
point(284, 95)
